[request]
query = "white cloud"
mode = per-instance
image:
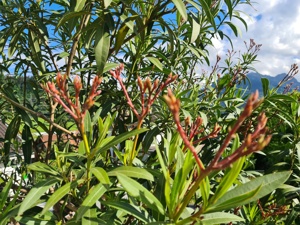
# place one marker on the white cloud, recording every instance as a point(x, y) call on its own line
point(274, 24)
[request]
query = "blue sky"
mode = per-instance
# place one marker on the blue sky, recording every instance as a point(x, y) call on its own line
point(274, 24)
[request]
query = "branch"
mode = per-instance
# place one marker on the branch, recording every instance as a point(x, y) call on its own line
point(16, 104)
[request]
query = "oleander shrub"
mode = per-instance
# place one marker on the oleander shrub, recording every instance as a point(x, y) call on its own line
point(150, 139)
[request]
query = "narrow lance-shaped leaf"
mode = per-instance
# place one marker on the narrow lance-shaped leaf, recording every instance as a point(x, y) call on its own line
point(93, 196)
point(122, 32)
point(35, 193)
point(102, 45)
point(265, 84)
point(101, 175)
point(181, 8)
point(90, 217)
point(208, 13)
point(14, 40)
point(219, 218)
point(107, 3)
point(5, 192)
point(27, 144)
point(44, 168)
point(156, 62)
point(11, 132)
point(250, 191)
point(131, 171)
point(195, 30)
point(127, 208)
point(59, 194)
point(135, 189)
point(116, 140)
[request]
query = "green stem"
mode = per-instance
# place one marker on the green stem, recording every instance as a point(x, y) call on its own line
point(16, 104)
point(88, 151)
point(133, 151)
point(190, 194)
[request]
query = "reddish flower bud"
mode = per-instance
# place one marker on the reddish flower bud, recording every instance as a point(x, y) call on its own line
point(155, 84)
point(140, 83)
point(148, 84)
point(187, 121)
point(77, 85)
point(52, 88)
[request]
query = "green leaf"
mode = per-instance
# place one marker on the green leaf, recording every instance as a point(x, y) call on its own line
point(34, 45)
point(156, 62)
point(205, 189)
point(43, 168)
point(27, 144)
point(90, 217)
point(207, 11)
point(59, 194)
point(234, 28)
point(35, 193)
point(93, 196)
point(102, 45)
point(5, 218)
point(11, 132)
point(219, 218)
point(127, 208)
point(63, 55)
point(229, 7)
point(88, 127)
point(298, 151)
point(230, 174)
point(122, 32)
point(13, 46)
point(101, 175)
point(5, 192)
point(250, 191)
point(34, 221)
point(117, 140)
point(109, 66)
point(131, 171)
point(181, 8)
point(195, 30)
point(176, 190)
point(136, 190)
point(149, 137)
point(79, 5)
point(107, 3)
point(265, 85)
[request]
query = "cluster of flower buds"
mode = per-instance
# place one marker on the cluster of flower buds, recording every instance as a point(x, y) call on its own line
point(273, 210)
point(61, 95)
point(174, 106)
point(290, 75)
point(149, 91)
point(253, 142)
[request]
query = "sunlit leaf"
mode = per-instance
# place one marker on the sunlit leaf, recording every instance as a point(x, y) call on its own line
point(59, 194)
point(102, 45)
point(127, 208)
point(181, 8)
point(35, 193)
point(131, 171)
point(101, 175)
point(219, 218)
point(93, 196)
point(250, 191)
point(136, 190)
point(156, 62)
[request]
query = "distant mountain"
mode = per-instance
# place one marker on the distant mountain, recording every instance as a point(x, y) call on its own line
point(256, 84)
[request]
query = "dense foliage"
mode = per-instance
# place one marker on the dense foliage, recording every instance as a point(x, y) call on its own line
point(118, 126)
